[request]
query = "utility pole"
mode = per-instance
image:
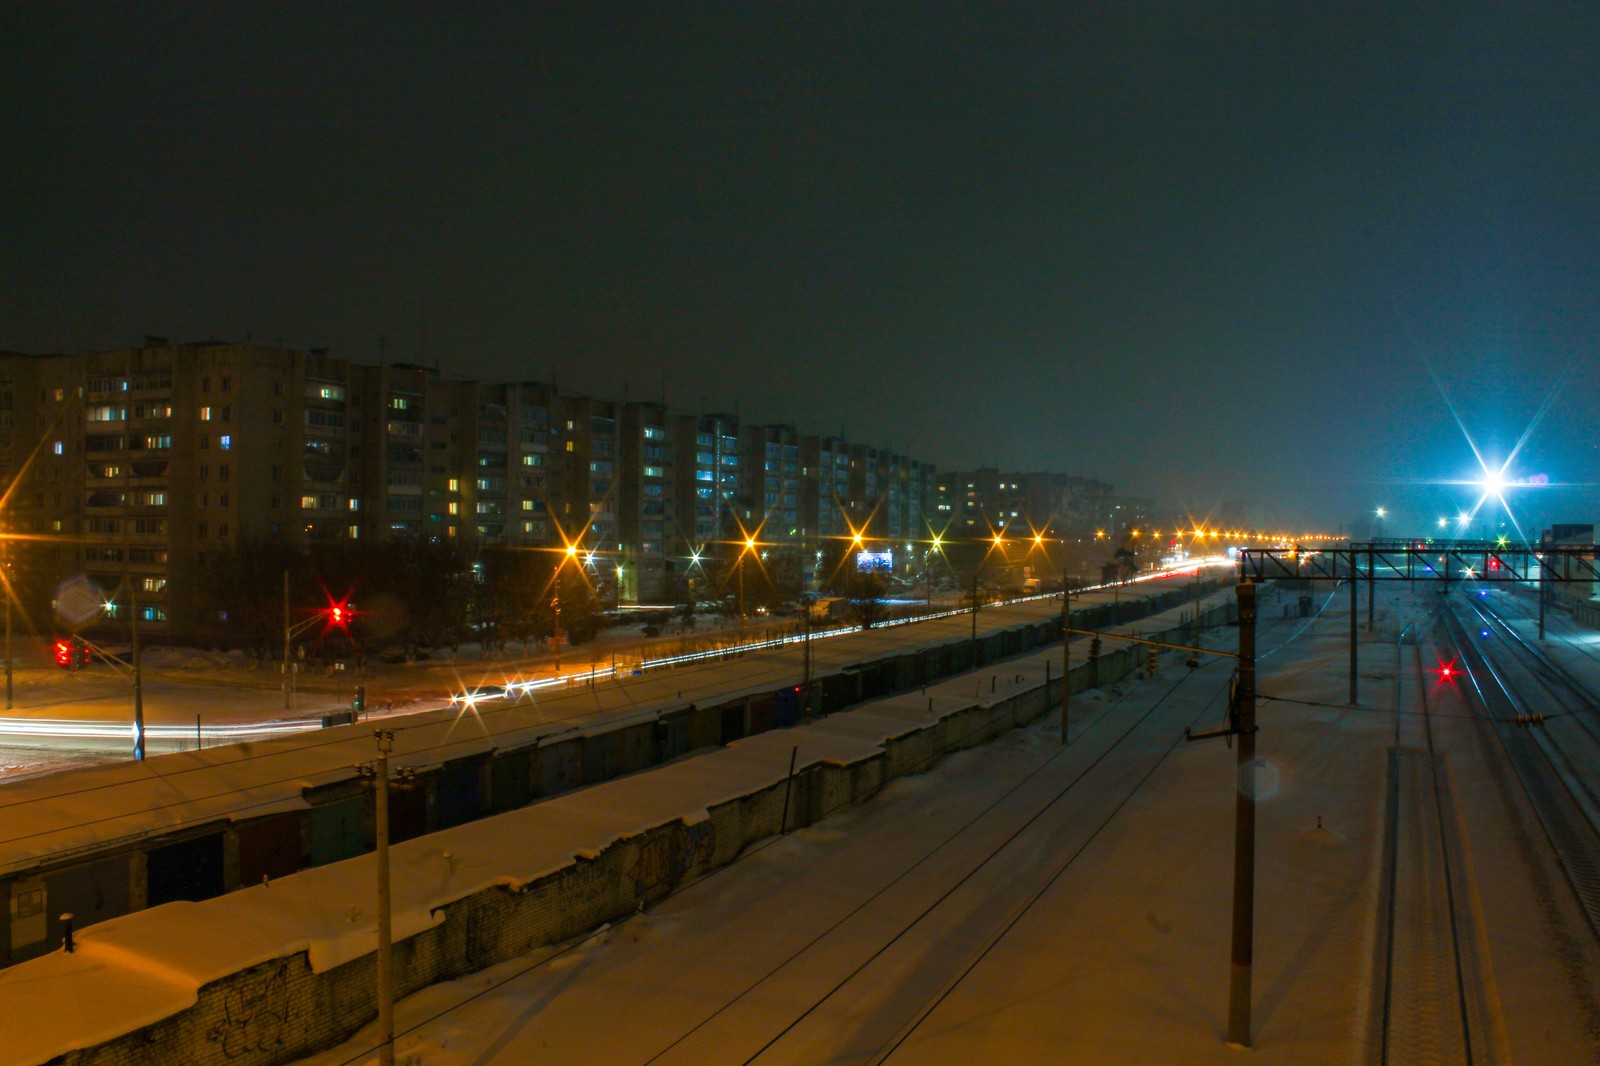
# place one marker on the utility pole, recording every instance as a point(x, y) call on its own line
point(7, 564)
point(805, 657)
point(974, 619)
point(1372, 583)
point(385, 904)
point(288, 676)
point(1541, 596)
point(1352, 627)
point(1244, 822)
point(1066, 656)
point(138, 683)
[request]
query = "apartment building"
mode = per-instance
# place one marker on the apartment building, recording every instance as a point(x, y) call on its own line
point(985, 501)
point(145, 461)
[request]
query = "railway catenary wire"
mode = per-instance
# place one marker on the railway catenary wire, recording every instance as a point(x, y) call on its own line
point(713, 877)
point(1528, 611)
point(1573, 838)
point(927, 1009)
point(1567, 737)
point(933, 1002)
point(1010, 838)
point(1545, 669)
point(779, 671)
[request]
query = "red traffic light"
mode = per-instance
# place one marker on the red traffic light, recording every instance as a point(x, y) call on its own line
point(71, 653)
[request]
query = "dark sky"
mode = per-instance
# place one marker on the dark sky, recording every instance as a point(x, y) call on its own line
point(1209, 252)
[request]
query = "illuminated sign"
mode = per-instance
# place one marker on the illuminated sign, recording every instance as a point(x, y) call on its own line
point(875, 562)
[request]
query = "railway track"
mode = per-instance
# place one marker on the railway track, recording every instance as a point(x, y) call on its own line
point(1555, 768)
point(1433, 1009)
point(909, 942)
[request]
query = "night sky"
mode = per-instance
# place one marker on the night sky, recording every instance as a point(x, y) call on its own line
point(1210, 252)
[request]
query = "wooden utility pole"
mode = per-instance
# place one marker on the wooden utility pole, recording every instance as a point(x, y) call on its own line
point(1066, 657)
point(385, 904)
point(1244, 822)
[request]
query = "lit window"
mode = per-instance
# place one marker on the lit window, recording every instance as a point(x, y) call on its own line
point(226, 441)
point(308, 503)
point(59, 448)
point(205, 414)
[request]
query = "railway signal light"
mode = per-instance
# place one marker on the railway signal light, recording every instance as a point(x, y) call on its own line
point(1150, 662)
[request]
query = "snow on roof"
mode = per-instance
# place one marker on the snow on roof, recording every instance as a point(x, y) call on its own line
point(134, 970)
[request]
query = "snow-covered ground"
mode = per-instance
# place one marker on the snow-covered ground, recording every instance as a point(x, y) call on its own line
point(1023, 903)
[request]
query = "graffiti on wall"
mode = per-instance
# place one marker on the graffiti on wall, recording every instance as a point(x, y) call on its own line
point(255, 1014)
point(666, 857)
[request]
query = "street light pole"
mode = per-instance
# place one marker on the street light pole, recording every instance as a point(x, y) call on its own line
point(6, 562)
point(288, 676)
point(138, 683)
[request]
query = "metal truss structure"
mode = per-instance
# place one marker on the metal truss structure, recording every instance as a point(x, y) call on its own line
point(1409, 560)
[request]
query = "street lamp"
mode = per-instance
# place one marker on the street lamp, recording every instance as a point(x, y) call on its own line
point(5, 570)
point(555, 602)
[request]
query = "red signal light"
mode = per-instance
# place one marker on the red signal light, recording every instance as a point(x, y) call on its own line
point(63, 653)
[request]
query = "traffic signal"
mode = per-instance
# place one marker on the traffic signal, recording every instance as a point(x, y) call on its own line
point(71, 653)
point(1150, 662)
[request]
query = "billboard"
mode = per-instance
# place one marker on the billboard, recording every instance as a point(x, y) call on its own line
point(875, 562)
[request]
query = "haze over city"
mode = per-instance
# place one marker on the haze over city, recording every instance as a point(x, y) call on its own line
point(1206, 252)
point(732, 533)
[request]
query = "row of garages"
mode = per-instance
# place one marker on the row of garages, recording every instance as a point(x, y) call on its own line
point(337, 821)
